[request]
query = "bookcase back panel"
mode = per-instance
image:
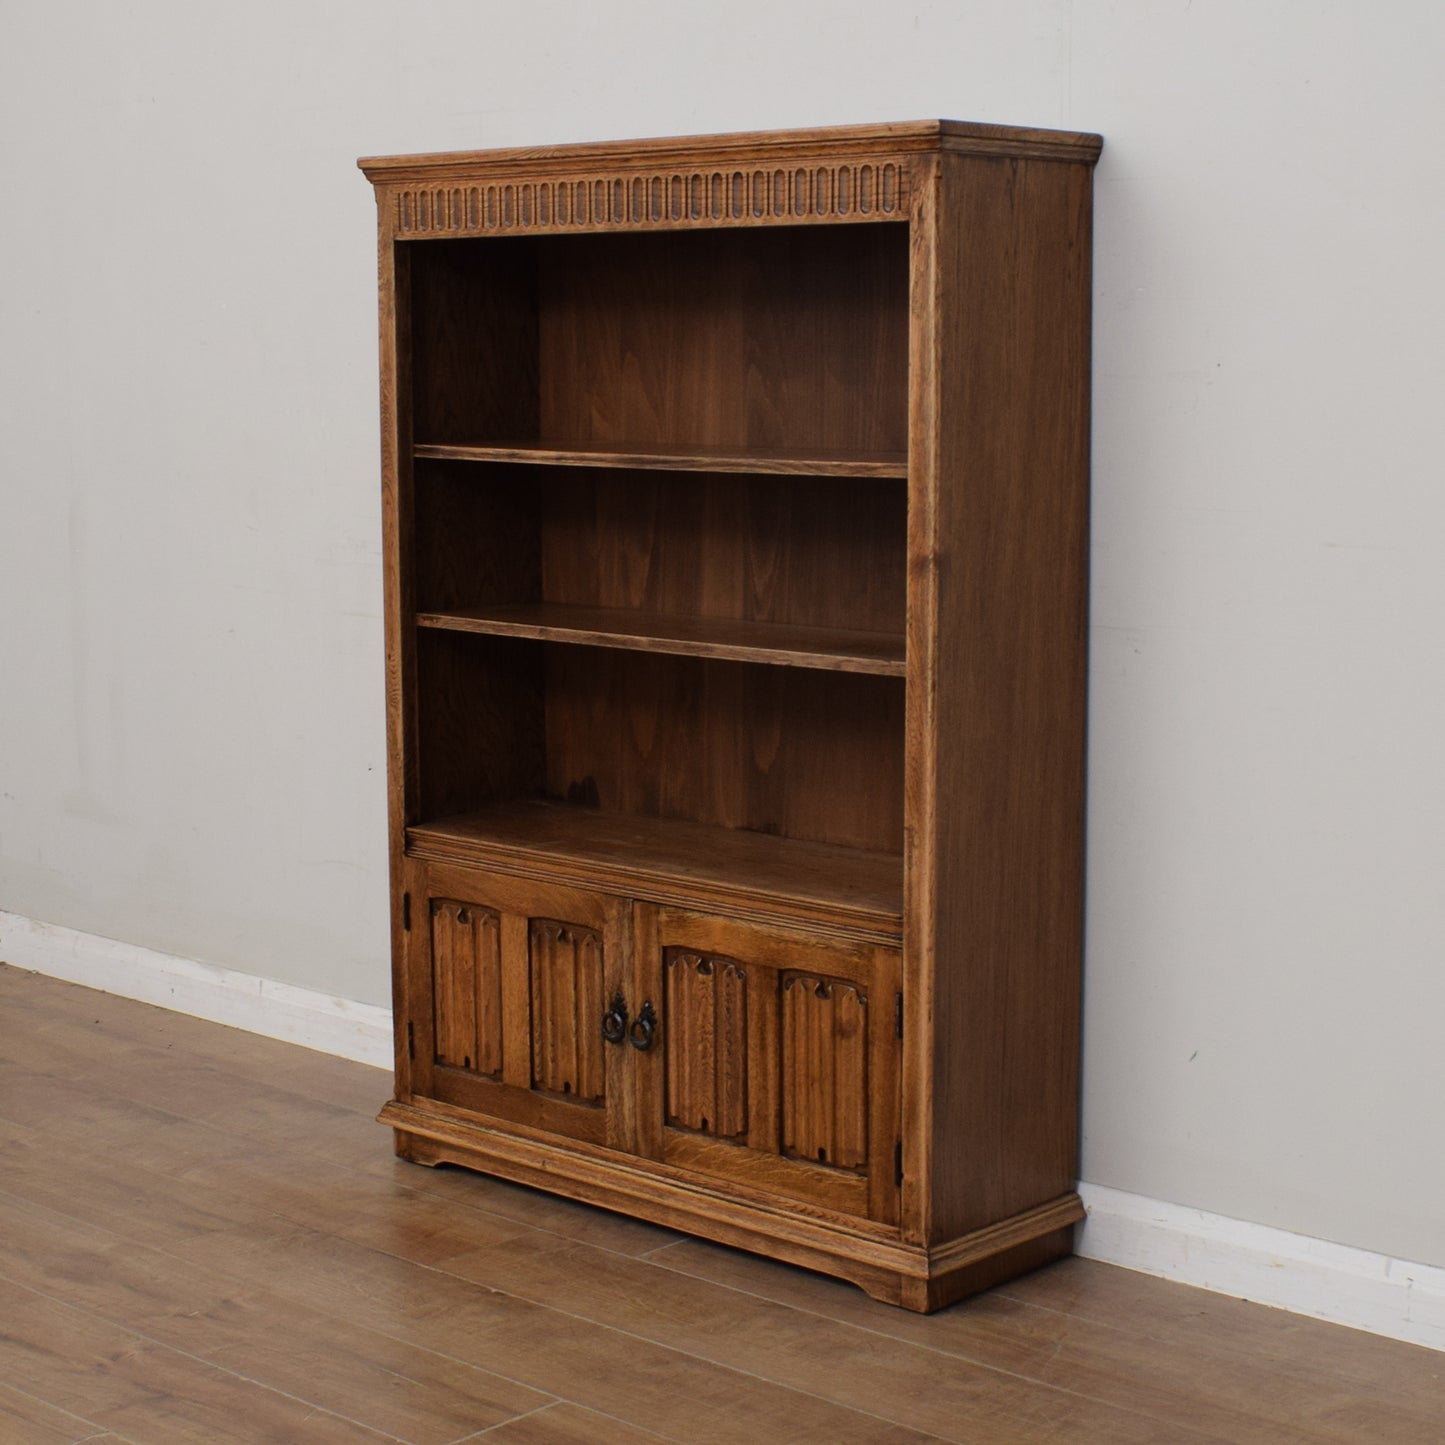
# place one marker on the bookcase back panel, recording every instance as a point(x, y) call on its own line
point(776, 337)
point(793, 752)
point(799, 753)
point(816, 551)
point(813, 551)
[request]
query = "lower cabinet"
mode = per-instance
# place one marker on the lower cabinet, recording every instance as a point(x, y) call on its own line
point(758, 1060)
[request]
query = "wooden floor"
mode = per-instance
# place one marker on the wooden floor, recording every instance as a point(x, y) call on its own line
point(205, 1238)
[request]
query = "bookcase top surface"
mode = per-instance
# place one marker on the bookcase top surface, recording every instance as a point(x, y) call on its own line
point(760, 147)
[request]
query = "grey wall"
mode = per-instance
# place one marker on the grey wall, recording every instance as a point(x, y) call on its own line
point(190, 653)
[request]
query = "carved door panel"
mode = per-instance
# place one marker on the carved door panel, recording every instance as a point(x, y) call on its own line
point(508, 984)
point(774, 1060)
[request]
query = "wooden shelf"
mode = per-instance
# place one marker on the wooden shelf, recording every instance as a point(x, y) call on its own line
point(685, 459)
point(779, 644)
point(675, 861)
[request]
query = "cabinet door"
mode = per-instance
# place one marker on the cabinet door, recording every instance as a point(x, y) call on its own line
point(508, 984)
point(774, 1059)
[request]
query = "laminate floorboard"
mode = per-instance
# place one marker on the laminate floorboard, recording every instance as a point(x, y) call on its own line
point(564, 1424)
point(25, 1420)
point(204, 1237)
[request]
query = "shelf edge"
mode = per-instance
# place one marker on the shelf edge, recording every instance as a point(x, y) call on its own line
point(757, 654)
point(829, 917)
point(772, 464)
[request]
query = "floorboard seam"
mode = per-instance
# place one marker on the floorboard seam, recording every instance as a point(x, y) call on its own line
point(651, 1254)
point(270, 1248)
point(281, 1152)
point(655, 1344)
point(93, 1426)
point(239, 1281)
point(934, 1350)
point(440, 1268)
point(140, 1334)
point(400, 1339)
point(492, 1429)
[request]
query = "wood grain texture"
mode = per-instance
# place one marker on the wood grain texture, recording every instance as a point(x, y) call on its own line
point(796, 1082)
point(473, 332)
point(564, 1424)
point(824, 648)
point(477, 536)
point(837, 891)
point(665, 555)
point(825, 1071)
point(767, 339)
point(1002, 619)
point(706, 1044)
point(810, 1217)
point(800, 753)
point(28, 1420)
point(253, 1225)
point(398, 607)
point(466, 985)
point(115, 1376)
point(567, 1006)
point(1228, 1386)
point(162, 1245)
point(795, 550)
point(767, 1175)
point(632, 464)
point(741, 148)
point(245, 1330)
point(514, 974)
point(480, 707)
point(554, 452)
point(465, 1095)
point(954, 1402)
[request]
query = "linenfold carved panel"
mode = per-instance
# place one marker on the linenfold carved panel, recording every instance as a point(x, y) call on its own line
point(825, 1071)
point(567, 1007)
point(707, 1041)
point(868, 190)
point(466, 986)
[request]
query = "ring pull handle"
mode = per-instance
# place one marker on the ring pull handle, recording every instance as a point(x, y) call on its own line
point(643, 1028)
point(614, 1021)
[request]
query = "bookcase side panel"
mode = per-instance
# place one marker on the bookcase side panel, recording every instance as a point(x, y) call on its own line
point(480, 725)
point(398, 600)
point(1008, 654)
point(474, 340)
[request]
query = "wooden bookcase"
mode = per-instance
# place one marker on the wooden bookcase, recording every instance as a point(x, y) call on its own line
point(736, 515)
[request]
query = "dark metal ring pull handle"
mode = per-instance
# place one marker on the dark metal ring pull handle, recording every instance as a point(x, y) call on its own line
point(643, 1028)
point(614, 1021)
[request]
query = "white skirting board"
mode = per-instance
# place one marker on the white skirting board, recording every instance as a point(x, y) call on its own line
point(360, 1031)
point(1334, 1282)
point(1296, 1272)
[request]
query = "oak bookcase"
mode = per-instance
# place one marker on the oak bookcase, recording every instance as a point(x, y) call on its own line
point(736, 514)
